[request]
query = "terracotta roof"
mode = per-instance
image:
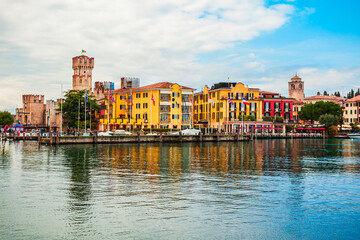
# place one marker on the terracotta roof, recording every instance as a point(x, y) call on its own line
point(270, 93)
point(151, 86)
point(334, 98)
point(295, 77)
point(298, 102)
point(354, 99)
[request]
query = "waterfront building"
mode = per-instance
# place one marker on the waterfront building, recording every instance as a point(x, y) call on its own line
point(52, 114)
point(82, 78)
point(102, 88)
point(275, 105)
point(318, 98)
point(33, 111)
point(159, 105)
point(351, 110)
point(296, 88)
point(226, 102)
point(296, 109)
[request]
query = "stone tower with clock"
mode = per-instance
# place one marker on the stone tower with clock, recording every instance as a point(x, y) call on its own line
point(82, 78)
point(296, 88)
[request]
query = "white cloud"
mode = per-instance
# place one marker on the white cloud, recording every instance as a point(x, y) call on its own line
point(155, 40)
point(251, 55)
point(315, 80)
point(255, 66)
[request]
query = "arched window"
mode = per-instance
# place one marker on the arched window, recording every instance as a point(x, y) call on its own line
point(300, 86)
point(292, 86)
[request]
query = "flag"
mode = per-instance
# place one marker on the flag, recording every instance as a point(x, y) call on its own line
point(245, 102)
point(86, 97)
point(111, 97)
point(83, 51)
point(153, 99)
point(230, 101)
point(212, 101)
point(131, 99)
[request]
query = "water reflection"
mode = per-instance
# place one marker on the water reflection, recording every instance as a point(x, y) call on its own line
point(259, 189)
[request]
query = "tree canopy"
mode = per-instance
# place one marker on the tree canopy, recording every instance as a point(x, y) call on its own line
point(6, 118)
point(329, 120)
point(313, 111)
point(75, 99)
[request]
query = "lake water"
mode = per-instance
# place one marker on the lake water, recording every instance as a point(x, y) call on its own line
point(266, 189)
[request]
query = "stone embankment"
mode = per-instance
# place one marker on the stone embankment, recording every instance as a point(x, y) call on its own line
point(141, 139)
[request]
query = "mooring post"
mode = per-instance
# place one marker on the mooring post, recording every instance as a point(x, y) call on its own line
point(180, 137)
point(51, 140)
point(237, 136)
point(57, 138)
point(160, 137)
point(95, 137)
point(218, 136)
point(39, 138)
point(23, 136)
point(201, 136)
point(138, 137)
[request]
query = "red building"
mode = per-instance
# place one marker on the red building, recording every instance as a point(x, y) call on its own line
point(275, 105)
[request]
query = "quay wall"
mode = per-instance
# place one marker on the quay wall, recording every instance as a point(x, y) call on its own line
point(141, 139)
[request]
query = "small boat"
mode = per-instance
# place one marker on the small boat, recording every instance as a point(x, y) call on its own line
point(354, 135)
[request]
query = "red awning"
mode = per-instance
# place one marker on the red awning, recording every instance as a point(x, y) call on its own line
point(300, 128)
point(270, 128)
point(254, 128)
point(262, 128)
point(278, 128)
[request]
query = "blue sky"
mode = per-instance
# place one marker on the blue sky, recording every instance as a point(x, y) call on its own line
point(260, 43)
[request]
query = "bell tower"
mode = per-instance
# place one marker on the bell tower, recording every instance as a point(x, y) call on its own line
point(296, 88)
point(82, 78)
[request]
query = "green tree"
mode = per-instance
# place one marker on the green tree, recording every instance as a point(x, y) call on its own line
point(6, 118)
point(71, 108)
point(332, 130)
point(354, 126)
point(329, 120)
point(313, 111)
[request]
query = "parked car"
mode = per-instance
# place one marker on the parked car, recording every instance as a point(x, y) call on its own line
point(122, 133)
point(108, 133)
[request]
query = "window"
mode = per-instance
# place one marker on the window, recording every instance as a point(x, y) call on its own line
point(163, 118)
point(145, 105)
point(145, 95)
point(137, 116)
point(122, 107)
point(292, 86)
point(175, 94)
point(122, 97)
point(221, 105)
point(145, 116)
point(164, 97)
point(300, 86)
point(175, 105)
point(350, 111)
point(175, 116)
point(137, 105)
point(138, 95)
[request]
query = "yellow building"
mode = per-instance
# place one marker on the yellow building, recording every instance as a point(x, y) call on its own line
point(228, 104)
point(161, 105)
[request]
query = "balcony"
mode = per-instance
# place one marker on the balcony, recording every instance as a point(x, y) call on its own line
point(267, 110)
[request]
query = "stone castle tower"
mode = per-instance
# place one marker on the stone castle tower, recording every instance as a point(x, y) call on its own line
point(296, 88)
point(82, 78)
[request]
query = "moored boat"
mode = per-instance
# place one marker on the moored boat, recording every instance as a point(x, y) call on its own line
point(354, 135)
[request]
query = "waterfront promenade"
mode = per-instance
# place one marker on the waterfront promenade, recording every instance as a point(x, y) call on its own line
point(137, 138)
